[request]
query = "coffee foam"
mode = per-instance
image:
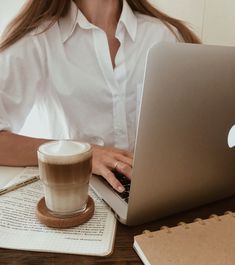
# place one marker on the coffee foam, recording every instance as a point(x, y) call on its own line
point(64, 152)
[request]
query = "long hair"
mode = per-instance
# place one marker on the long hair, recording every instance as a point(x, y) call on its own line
point(35, 12)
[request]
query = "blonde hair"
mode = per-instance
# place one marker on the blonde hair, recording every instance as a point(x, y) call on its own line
point(35, 12)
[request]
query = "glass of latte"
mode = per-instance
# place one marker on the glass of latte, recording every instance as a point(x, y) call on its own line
point(65, 168)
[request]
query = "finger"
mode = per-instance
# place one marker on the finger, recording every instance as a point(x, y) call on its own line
point(122, 152)
point(124, 168)
point(124, 159)
point(127, 153)
point(110, 162)
point(111, 179)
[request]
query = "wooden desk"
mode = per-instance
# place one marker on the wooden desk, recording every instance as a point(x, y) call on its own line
point(124, 253)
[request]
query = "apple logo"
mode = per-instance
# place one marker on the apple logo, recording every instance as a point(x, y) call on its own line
point(231, 137)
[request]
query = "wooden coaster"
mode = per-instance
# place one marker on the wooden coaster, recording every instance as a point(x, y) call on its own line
point(45, 217)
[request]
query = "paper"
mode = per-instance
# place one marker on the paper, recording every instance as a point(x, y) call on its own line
point(23, 175)
point(20, 229)
point(7, 173)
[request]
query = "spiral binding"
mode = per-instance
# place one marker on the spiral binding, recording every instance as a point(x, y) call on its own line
point(232, 214)
point(186, 226)
point(215, 216)
point(200, 221)
point(148, 233)
point(166, 228)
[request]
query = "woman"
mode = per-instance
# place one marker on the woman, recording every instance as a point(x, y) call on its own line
point(81, 64)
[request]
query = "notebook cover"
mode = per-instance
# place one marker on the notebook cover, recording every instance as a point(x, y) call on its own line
point(204, 242)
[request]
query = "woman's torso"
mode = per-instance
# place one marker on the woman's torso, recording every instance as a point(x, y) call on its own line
point(81, 96)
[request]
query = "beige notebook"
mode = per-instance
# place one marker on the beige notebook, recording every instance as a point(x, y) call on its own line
point(203, 242)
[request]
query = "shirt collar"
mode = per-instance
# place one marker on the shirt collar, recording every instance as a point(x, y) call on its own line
point(68, 23)
point(129, 20)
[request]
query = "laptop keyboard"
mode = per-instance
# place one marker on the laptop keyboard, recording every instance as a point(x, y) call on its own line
point(126, 183)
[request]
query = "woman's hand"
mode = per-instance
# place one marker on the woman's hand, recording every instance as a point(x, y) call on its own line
point(107, 159)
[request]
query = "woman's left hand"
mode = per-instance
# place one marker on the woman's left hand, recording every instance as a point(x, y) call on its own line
point(107, 159)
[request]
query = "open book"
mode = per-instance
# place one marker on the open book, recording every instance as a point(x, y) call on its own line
point(20, 229)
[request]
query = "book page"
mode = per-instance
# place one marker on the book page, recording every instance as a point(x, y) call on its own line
point(7, 173)
point(24, 174)
point(20, 229)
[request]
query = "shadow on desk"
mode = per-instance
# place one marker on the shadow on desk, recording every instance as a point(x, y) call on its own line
point(124, 253)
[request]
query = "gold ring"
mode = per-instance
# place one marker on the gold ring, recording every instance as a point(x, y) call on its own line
point(116, 164)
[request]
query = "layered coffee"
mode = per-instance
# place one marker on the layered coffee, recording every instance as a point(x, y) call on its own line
point(65, 169)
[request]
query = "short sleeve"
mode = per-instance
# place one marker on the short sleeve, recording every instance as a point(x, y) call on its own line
point(21, 79)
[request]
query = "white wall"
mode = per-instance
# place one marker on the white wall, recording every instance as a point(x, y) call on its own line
point(213, 20)
point(7, 10)
point(219, 25)
point(190, 11)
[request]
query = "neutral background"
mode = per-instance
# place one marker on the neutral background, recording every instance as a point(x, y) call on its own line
point(213, 20)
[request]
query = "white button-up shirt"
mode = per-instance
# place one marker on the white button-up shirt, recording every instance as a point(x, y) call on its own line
point(66, 75)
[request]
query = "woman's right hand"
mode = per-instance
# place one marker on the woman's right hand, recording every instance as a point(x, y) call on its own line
point(107, 159)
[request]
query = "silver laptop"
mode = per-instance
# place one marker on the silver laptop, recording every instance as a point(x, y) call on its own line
point(184, 154)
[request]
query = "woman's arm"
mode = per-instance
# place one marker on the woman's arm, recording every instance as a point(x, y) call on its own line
point(17, 150)
point(22, 76)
